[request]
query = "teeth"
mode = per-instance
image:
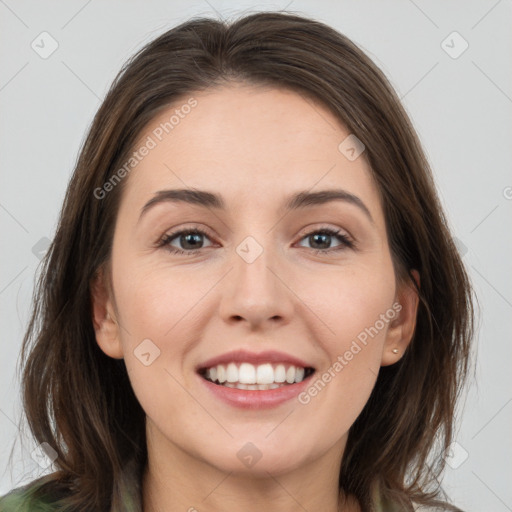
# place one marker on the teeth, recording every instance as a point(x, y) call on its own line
point(280, 373)
point(249, 376)
point(290, 375)
point(265, 374)
point(299, 374)
point(253, 387)
point(232, 373)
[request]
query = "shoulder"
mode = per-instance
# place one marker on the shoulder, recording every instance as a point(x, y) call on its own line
point(425, 508)
point(26, 499)
point(16, 501)
point(383, 503)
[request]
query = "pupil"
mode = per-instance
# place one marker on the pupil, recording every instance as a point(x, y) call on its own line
point(321, 235)
point(187, 236)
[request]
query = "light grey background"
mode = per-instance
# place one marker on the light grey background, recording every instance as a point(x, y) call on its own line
point(461, 107)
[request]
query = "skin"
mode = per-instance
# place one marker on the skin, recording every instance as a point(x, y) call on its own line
point(255, 146)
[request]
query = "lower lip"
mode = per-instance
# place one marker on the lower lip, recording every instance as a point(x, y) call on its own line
point(254, 399)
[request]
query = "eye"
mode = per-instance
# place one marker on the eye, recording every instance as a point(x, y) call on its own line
point(323, 237)
point(190, 238)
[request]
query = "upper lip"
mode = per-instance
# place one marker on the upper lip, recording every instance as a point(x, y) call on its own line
point(268, 356)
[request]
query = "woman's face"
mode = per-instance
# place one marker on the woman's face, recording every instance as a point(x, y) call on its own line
point(256, 282)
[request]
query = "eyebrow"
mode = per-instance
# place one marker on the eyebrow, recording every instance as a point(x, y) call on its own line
point(297, 201)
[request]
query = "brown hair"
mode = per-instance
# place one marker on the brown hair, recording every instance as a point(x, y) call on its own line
point(80, 401)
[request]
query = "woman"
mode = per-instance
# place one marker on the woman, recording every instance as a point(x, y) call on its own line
point(188, 349)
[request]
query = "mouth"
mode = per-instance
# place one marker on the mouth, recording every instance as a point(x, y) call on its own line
point(261, 377)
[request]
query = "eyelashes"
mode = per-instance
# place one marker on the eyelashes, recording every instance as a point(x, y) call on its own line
point(165, 242)
point(169, 237)
point(345, 241)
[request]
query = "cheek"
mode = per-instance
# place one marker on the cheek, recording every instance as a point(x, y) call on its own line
point(349, 302)
point(354, 308)
point(155, 301)
point(156, 336)
point(163, 311)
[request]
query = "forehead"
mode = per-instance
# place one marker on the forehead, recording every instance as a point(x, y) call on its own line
point(249, 143)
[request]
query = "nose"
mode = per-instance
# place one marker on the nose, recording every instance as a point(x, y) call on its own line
point(256, 291)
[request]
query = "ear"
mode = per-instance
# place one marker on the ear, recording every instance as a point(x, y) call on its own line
point(103, 317)
point(401, 328)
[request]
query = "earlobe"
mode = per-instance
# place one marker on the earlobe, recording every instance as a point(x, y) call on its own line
point(103, 318)
point(401, 329)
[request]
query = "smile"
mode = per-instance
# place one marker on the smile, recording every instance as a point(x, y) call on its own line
point(255, 377)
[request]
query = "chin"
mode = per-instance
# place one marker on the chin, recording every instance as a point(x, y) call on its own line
point(258, 458)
